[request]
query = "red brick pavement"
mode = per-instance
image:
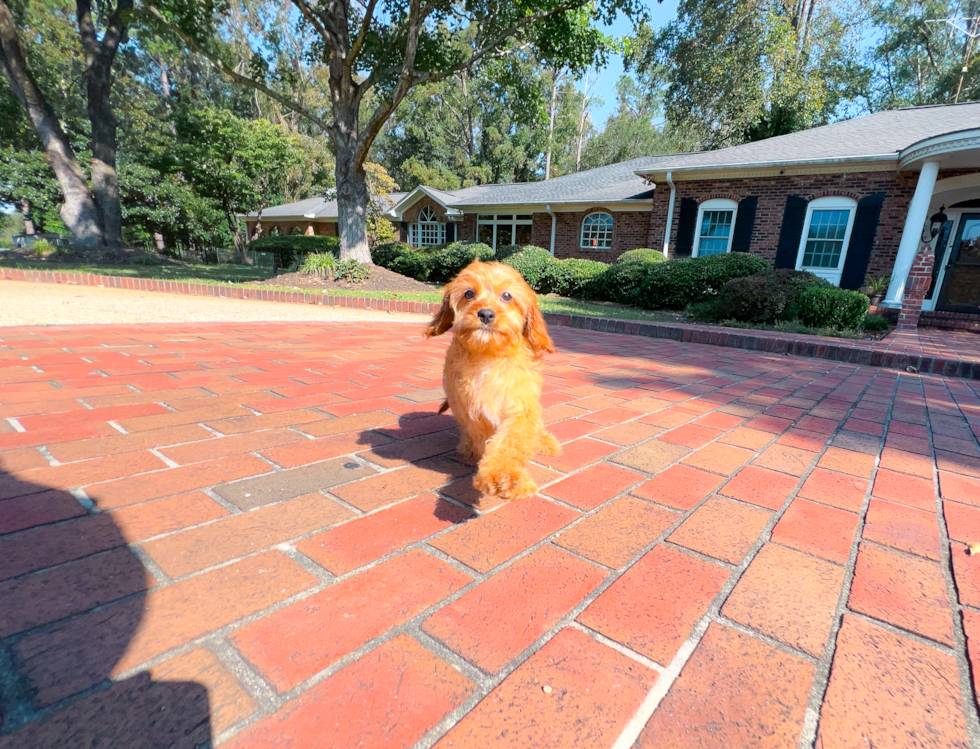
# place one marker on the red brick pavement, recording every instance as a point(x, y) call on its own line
point(260, 535)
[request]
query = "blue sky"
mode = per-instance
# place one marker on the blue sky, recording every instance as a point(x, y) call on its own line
point(660, 15)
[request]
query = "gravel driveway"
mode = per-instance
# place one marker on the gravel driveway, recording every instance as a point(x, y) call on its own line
point(56, 304)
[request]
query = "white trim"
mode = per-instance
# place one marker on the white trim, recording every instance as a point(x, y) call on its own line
point(715, 204)
point(399, 208)
point(670, 213)
point(581, 232)
point(930, 148)
point(494, 220)
point(833, 161)
point(554, 224)
point(915, 221)
point(832, 203)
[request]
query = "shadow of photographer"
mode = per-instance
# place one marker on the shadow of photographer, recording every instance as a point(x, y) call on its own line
point(72, 596)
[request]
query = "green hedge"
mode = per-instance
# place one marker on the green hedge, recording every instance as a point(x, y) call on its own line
point(512, 249)
point(876, 324)
point(677, 283)
point(766, 297)
point(530, 263)
point(618, 283)
point(385, 254)
point(571, 277)
point(832, 308)
point(290, 247)
point(411, 263)
point(642, 255)
point(446, 262)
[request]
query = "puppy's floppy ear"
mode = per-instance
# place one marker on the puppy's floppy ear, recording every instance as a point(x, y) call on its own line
point(443, 319)
point(536, 331)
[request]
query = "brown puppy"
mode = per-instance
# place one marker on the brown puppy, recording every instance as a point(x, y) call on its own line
point(492, 374)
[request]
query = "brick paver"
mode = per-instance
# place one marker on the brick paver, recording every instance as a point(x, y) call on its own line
point(261, 535)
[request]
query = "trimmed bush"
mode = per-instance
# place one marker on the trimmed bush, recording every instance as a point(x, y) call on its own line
point(446, 262)
point(876, 324)
point(385, 254)
point(318, 264)
point(411, 263)
point(642, 255)
point(570, 277)
point(768, 296)
point(530, 263)
point(512, 249)
point(677, 283)
point(350, 271)
point(709, 311)
point(294, 246)
point(618, 283)
point(832, 308)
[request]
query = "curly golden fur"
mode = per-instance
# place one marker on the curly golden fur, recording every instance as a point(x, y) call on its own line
point(492, 375)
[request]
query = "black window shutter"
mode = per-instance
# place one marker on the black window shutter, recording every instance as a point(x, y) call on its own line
point(862, 241)
point(686, 220)
point(744, 224)
point(450, 232)
point(403, 232)
point(790, 232)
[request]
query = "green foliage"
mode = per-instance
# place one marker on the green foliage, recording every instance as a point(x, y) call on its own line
point(708, 311)
point(318, 264)
point(385, 254)
point(832, 308)
point(530, 263)
point(619, 282)
point(876, 284)
point(768, 296)
point(296, 243)
point(641, 255)
point(350, 271)
point(411, 263)
point(42, 248)
point(876, 324)
point(571, 277)
point(512, 249)
point(677, 283)
point(446, 262)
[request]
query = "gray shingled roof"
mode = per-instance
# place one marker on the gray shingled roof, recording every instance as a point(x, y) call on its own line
point(878, 136)
point(312, 208)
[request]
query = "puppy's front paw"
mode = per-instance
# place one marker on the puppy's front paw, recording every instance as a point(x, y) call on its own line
point(467, 452)
point(549, 444)
point(508, 483)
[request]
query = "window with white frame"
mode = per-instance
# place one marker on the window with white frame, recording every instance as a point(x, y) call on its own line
point(500, 230)
point(427, 230)
point(597, 232)
point(716, 220)
point(826, 233)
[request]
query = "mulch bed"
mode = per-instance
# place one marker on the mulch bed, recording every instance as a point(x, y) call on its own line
point(381, 279)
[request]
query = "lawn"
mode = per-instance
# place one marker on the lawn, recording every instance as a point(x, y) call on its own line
point(237, 275)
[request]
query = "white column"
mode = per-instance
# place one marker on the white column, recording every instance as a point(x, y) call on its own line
point(912, 233)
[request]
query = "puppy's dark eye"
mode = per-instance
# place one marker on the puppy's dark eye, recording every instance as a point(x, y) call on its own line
point(506, 296)
point(469, 294)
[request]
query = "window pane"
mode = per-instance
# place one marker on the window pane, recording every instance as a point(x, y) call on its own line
point(485, 234)
point(524, 217)
point(716, 228)
point(431, 233)
point(504, 235)
point(485, 217)
point(508, 217)
point(597, 231)
point(522, 234)
point(825, 238)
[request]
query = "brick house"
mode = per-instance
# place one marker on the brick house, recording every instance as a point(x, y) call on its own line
point(844, 200)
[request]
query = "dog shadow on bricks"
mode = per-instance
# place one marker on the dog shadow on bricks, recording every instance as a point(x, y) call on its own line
point(72, 596)
point(427, 440)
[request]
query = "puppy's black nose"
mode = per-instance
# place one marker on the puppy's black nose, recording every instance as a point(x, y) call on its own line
point(486, 316)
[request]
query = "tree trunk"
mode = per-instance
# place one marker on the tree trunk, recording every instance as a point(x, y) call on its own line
point(105, 180)
point(79, 211)
point(552, 106)
point(351, 179)
point(25, 209)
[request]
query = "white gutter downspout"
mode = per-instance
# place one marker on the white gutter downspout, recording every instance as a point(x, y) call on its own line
point(670, 213)
point(554, 219)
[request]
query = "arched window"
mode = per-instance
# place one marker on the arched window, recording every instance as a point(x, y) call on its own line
point(826, 234)
point(597, 231)
point(427, 230)
point(716, 219)
point(275, 231)
point(296, 231)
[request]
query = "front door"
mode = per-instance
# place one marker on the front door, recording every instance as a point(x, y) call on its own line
point(961, 285)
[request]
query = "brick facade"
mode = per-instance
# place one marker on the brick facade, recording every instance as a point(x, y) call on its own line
point(320, 228)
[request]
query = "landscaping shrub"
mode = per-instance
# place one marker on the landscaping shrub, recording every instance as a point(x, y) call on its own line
point(446, 262)
point(768, 296)
point(530, 263)
point(709, 311)
point(512, 249)
point(832, 308)
point(42, 248)
point(290, 247)
point(677, 283)
point(642, 255)
point(350, 271)
point(570, 277)
point(318, 264)
point(618, 283)
point(411, 263)
point(876, 324)
point(385, 254)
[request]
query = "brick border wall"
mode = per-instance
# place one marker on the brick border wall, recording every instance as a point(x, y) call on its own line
point(773, 343)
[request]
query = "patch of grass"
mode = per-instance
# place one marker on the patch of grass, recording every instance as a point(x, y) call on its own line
point(189, 272)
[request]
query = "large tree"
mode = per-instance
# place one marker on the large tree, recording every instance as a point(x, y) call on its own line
point(377, 52)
